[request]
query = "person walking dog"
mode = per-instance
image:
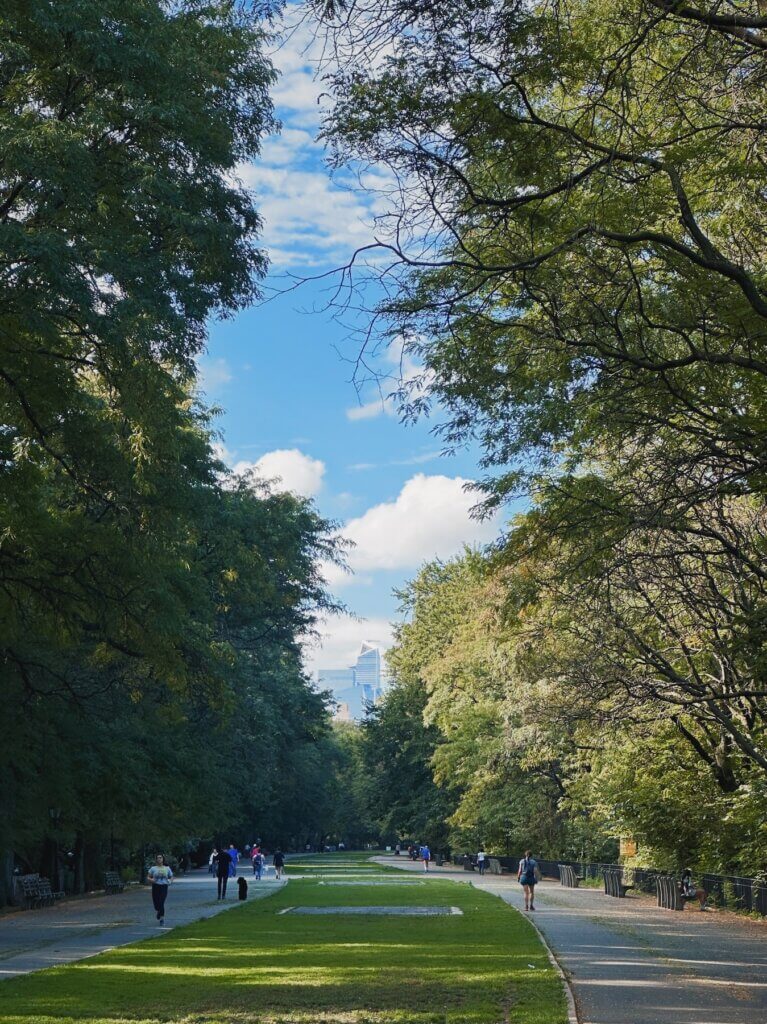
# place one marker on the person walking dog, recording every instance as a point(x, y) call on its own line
point(223, 864)
point(160, 877)
point(528, 875)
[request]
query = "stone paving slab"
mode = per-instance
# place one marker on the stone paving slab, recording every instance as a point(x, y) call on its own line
point(631, 963)
point(76, 929)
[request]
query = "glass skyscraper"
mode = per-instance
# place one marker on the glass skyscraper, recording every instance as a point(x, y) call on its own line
point(356, 687)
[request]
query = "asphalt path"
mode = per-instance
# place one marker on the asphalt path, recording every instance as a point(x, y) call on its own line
point(628, 962)
point(78, 928)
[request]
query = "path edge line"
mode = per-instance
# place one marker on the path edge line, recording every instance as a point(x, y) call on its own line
point(572, 1006)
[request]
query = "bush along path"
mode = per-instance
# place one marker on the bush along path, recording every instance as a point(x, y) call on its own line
point(335, 949)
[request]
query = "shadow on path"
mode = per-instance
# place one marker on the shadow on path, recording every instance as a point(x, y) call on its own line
point(80, 928)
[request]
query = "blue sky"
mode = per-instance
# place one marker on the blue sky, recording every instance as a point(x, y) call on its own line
point(282, 372)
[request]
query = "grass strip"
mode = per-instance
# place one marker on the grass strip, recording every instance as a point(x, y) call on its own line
point(252, 965)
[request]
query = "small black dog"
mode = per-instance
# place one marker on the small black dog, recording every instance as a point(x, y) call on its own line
point(243, 887)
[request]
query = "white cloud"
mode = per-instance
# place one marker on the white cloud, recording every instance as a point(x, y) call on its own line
point(213, 374)
point(398, 371)
point(310, 221)
point(294, 470)
point(340, 639)
point(429, 518)
point(370, 410)
point(306, 214)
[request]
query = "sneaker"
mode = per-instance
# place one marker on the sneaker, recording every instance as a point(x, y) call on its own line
point(162, 921)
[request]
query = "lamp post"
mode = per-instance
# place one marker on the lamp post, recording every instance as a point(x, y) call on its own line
point(55, 815)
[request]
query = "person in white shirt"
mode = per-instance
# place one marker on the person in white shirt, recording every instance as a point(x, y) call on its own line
point(160, 877)
point(482, 860)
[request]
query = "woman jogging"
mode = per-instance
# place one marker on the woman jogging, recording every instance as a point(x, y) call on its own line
point(159, 876)
point(528, 874)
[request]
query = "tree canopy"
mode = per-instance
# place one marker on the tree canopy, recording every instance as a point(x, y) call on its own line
point(152, 606)
point(574, 252)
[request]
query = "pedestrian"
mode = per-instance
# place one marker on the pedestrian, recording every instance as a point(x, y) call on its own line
point(223, 864)
point(160, 877)
point(212, 861)
point(234, 860)
point(689, 891)
point(258, 864)
point(397, 850)
point(425, 856)
point(481, 860)
point(279, 862)
point(528, 875)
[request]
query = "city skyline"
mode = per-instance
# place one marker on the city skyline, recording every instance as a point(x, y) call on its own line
point(356, 687)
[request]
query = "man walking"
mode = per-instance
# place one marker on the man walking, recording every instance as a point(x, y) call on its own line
point(481, 860)
point(279, 862)
point(223, 864)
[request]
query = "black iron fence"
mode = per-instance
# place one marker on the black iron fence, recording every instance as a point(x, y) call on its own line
point(730, 891)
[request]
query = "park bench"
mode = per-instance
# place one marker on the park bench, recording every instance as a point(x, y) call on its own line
point(113, 883)
point(568, 877)
point(37, 892)
point(669, 893)
point(614, 885)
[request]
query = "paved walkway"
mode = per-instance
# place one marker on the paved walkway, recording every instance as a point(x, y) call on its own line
point(632, 963)
point(75, 929)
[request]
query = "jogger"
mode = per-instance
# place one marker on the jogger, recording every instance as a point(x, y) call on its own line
point(528, 874)
point(160, 875)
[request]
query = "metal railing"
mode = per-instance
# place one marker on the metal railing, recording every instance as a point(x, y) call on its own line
point(731, 891)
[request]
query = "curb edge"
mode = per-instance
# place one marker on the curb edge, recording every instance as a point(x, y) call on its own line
point(572, 1008)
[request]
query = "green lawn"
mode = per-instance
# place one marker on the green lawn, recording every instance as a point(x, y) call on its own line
point(252, 965)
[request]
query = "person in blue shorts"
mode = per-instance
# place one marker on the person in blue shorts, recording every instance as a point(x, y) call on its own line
point(528, 874)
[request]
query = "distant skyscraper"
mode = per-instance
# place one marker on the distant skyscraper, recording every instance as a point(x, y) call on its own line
point(356, 687)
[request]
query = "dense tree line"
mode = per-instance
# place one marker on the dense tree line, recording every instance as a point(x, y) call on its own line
point(151, 607)
point(576, 254)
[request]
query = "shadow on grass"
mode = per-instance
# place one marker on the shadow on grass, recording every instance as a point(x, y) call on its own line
point(255, 967)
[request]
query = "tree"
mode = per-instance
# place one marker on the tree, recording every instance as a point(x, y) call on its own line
point(152, 606)
point(120, 233)
point(576, 256)
point(575, 242)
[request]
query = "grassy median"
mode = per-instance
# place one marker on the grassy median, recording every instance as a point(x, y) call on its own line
point(252, 965)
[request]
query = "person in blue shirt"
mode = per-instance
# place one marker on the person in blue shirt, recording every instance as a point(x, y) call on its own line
point(425, 856)
point(234, 855)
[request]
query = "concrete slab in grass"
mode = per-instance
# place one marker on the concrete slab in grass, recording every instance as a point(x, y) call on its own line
point(375, 911)
point(390, 881)
point(316, 875)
